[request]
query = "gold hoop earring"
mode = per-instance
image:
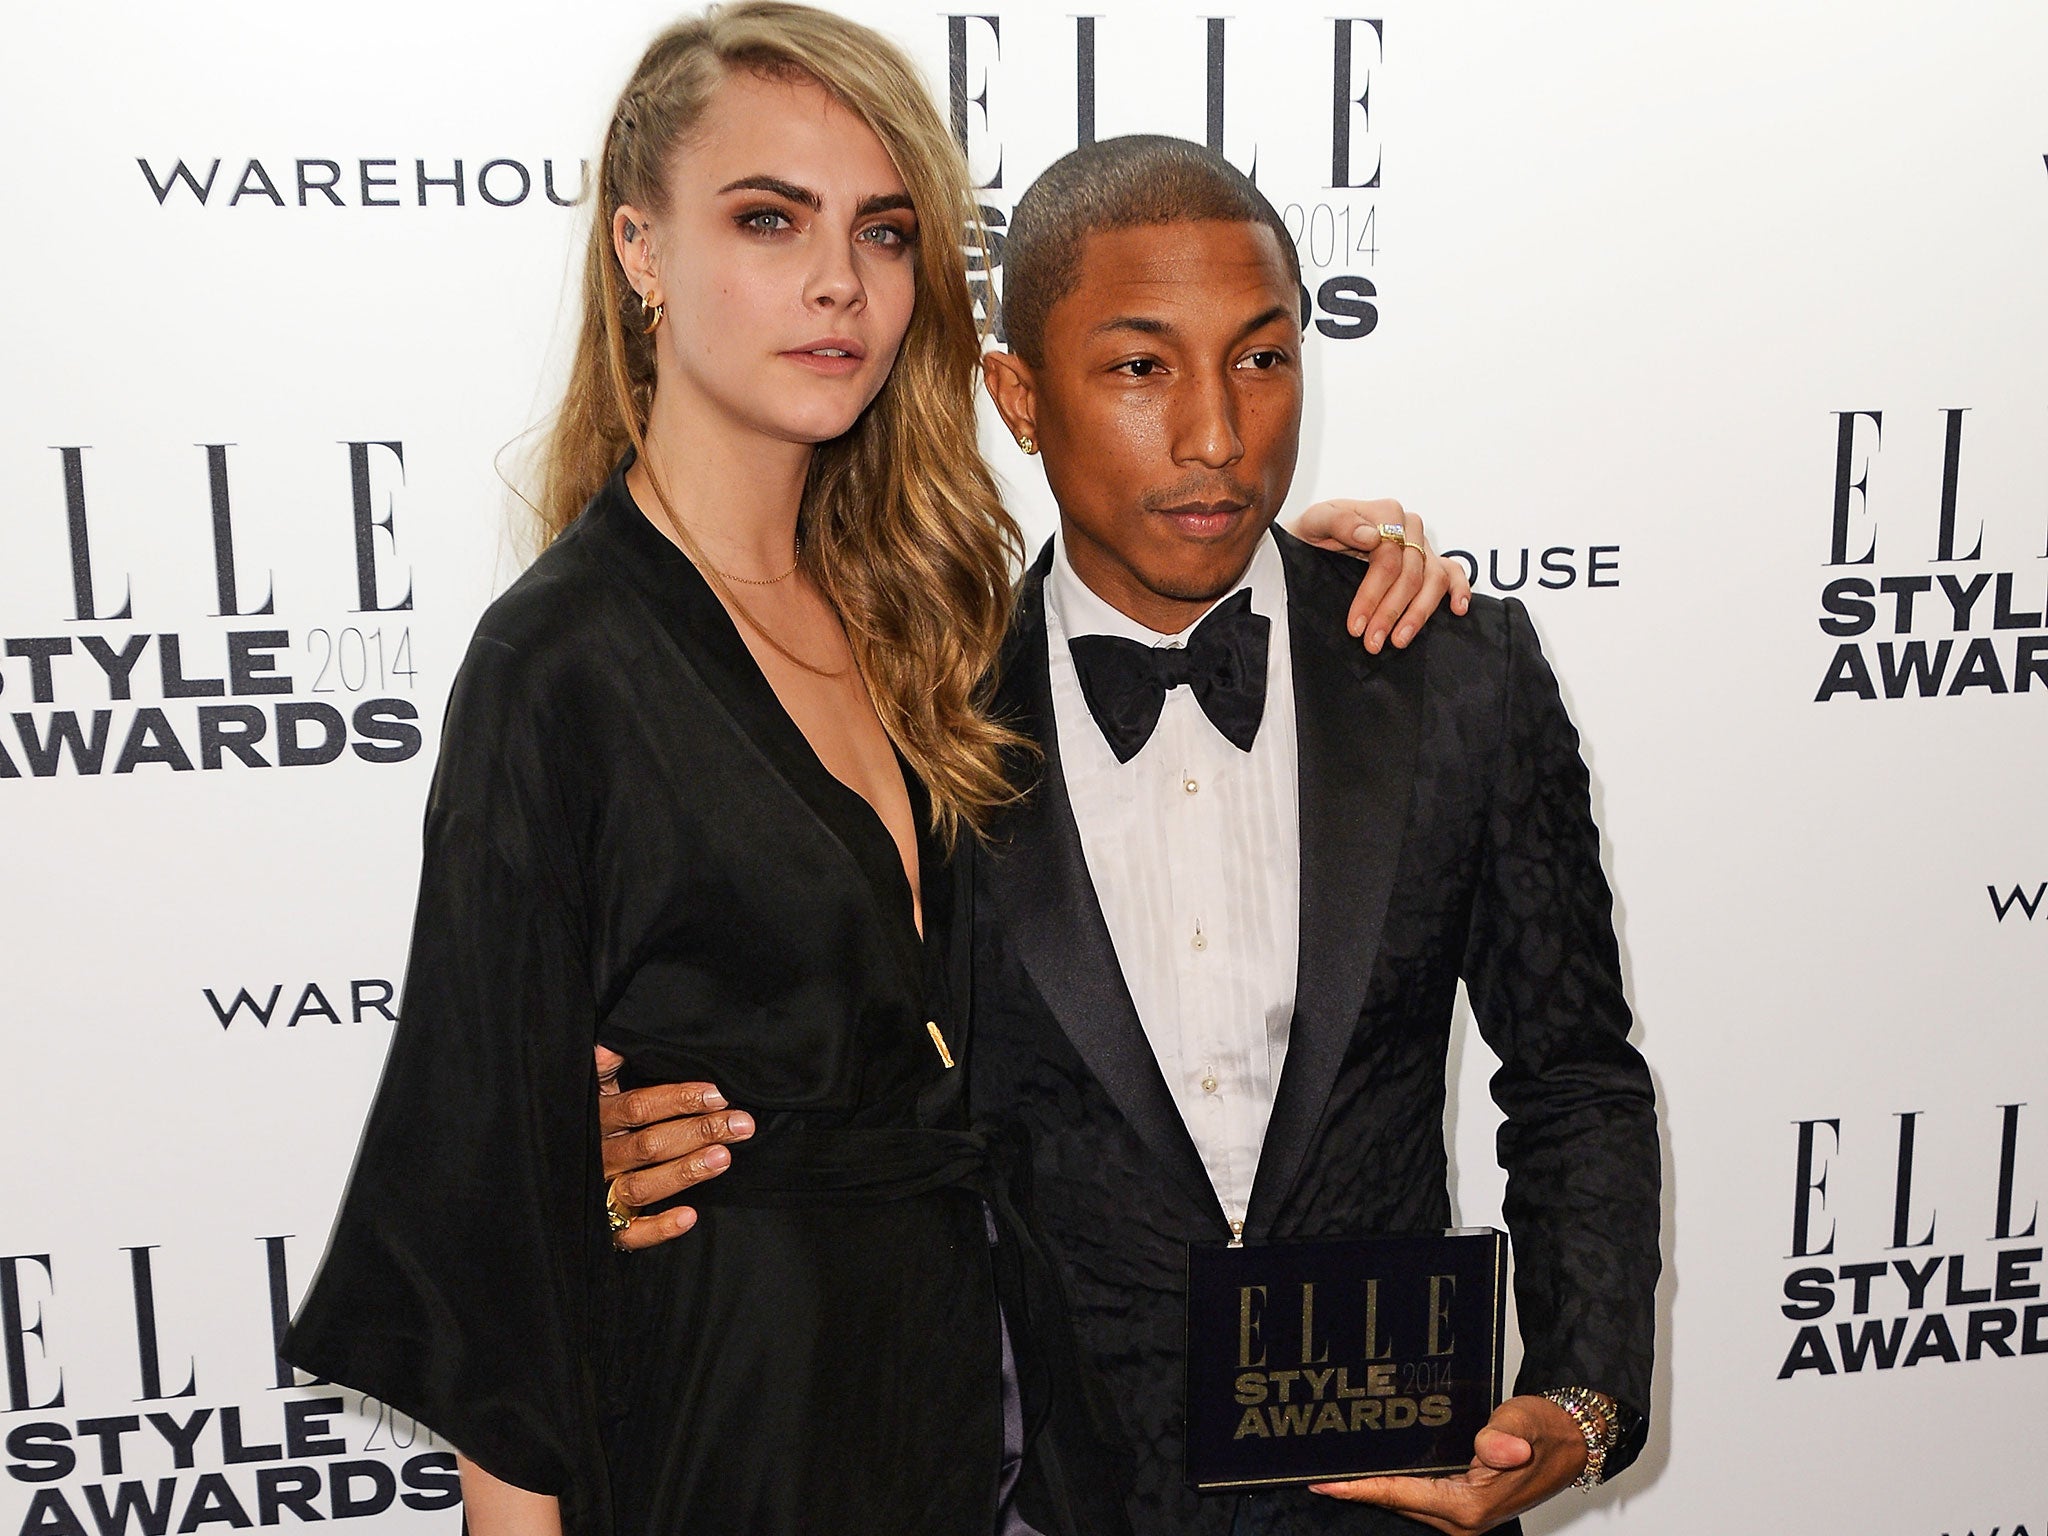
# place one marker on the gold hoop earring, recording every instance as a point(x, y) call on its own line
point(654, 312)
point(1028, 443)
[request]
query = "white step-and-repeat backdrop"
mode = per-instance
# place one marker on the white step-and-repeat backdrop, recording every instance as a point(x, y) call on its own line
point(1718, 333)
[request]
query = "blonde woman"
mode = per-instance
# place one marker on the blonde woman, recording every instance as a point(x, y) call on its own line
point(701, 776)
point(709, 776)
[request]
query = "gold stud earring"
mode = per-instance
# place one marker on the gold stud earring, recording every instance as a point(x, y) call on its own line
point(1027, 442)
point(653, 310)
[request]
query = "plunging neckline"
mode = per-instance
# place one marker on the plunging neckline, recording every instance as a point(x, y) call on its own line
point(911, 879)
point(706, 631)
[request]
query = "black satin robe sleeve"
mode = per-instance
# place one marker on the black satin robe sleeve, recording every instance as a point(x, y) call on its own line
point(456, 1286)
point(1579, 1142)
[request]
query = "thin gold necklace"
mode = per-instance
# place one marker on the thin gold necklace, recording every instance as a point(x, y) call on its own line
point(766, 581)
point(676, 526)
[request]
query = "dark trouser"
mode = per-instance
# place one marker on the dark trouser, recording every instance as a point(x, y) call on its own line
point(1008, 1521)
point(1255, 1515)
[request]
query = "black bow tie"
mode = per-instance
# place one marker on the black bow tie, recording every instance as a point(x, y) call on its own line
point(1126, 681)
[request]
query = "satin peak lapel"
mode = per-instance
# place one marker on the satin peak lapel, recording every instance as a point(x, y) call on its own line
point(1357, 721)
point(1051, 918)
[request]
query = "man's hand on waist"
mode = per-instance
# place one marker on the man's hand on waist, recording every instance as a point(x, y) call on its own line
point(658, 1142)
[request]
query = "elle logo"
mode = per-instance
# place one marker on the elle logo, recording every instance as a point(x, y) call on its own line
point(371, 468)
point(1971, 630)
point(1356, 45)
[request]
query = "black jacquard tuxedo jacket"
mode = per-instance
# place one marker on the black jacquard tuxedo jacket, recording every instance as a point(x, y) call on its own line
point(1446, 833)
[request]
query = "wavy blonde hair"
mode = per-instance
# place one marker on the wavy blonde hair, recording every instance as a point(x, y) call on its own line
point(901, 525)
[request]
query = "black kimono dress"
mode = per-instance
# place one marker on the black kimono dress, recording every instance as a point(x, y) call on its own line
point(629, 841)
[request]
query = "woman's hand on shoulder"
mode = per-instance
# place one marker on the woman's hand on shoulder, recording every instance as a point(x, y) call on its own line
point(658, 1142)
point(1404, 581)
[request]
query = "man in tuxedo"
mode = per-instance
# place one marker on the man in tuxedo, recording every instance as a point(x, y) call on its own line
point(1232, 915)
point(1219, 942)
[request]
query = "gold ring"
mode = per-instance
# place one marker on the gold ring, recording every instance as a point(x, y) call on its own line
point(616, 1211)
point(1394, 533)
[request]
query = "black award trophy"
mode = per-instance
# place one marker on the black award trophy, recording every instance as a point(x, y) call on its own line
point(1326, 1360)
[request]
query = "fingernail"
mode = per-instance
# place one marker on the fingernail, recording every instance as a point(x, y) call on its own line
point(1361, 531)
point(739, 1123)
point(714, 1100)
point(1356, 626)
point(1404, 634)
point(1379, 638)
point(716, 1157)
point(684, 1218)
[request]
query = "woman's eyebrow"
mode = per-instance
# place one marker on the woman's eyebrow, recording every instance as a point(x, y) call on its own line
point(789, 189)
point(881, 202)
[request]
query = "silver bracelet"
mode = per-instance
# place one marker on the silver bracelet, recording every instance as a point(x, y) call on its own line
point(1597, 1422)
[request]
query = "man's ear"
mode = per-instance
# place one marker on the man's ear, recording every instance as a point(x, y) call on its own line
point(631, 240)
point(1011, 385)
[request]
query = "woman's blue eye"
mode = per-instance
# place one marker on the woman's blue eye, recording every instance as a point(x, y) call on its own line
point(765, 220)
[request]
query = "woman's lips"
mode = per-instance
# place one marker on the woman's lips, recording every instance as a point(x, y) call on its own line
point(830, 365)
point(834, 357)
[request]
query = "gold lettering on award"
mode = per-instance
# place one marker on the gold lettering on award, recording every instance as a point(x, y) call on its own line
point(1308, 1329)
point(1376, 1348)
point(1248, 1325)
point(1442, 1288)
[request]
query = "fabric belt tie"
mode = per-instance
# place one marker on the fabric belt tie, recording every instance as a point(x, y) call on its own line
point(855, 1166)
point(845, 1166)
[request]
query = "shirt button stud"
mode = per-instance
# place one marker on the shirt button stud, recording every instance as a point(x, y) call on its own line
point(1209, 1083)
point(1190, 786)
point(1200, 940)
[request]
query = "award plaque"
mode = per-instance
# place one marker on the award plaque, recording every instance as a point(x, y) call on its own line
point(1326, 1360)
